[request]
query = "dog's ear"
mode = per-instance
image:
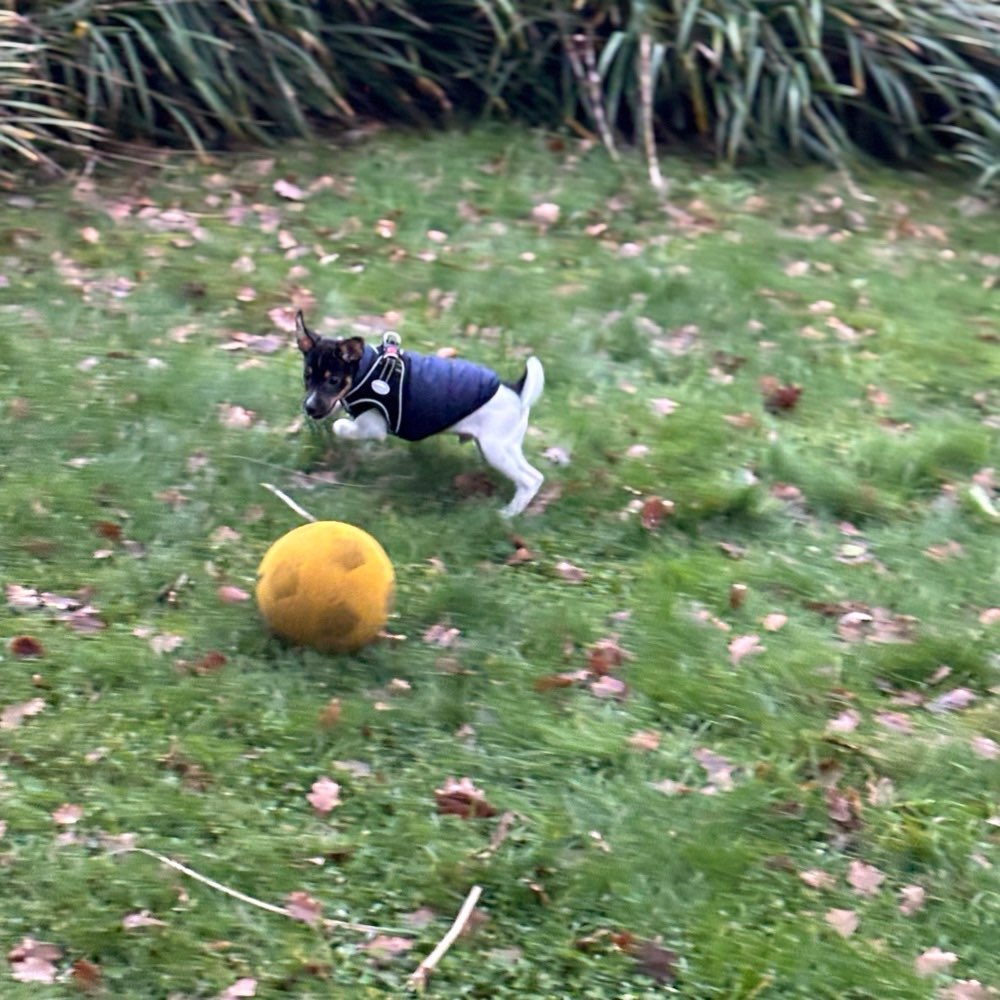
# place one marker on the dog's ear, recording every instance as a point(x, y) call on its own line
point(352, 349)
point(303, 337)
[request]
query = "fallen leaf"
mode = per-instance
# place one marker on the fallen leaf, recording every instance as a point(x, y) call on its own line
point(933, 961)
point(718, 768)
point(606, 654)
point(324, 795)
point(655, 961)
point(952, 701)
point(608, 687)
point(441, 634)
point(569, 572)
point(983, 746)
point(881, 792)
point(67, 814)
point(26, 647)
point(245, 987)
point(990, 616)
point(462, 798)
point(556, 455)
point(895, 721)
point(844, 922)
point(779, 397)
point(235, 417)
point(844, 808)
point(644, 739)
point(143, 918)
point(301, 906)
point(774, 621)
point(229, 594)
point(663, 407)
point(385, 947)
point(969, 989)
point(864, 878)
point(911, 899)
point(330, 715)
point(34, 961)
point(13, 715)
point(744, 645)
point(654, 511)
point(818, 879)
point(546, 214)
point(86, 975)
point(846, 722)
point(286, 189)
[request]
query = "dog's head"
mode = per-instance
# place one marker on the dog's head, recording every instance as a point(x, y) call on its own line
point(330, 367)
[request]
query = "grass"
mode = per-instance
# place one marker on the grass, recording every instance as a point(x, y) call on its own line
point(884, 312)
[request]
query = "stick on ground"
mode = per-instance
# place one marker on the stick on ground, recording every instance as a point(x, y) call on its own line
point(285, 498)
point(420, 976)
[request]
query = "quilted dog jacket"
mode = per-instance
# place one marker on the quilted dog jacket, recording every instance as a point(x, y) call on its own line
point(419, 395)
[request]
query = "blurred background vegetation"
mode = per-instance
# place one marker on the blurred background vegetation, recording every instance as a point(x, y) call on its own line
point(902, 80)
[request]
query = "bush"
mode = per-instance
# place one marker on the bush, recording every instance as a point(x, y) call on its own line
point(752, 78)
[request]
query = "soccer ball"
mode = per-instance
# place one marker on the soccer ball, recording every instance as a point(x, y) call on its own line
point(328, 585)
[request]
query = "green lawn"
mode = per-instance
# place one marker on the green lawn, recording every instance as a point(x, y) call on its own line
point(759, 809)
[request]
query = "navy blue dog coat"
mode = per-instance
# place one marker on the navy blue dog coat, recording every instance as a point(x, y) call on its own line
point(419, 395)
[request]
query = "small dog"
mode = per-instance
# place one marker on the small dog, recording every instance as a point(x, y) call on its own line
point(386, 390)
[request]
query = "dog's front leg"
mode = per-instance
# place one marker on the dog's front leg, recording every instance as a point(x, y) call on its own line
point(368, 426)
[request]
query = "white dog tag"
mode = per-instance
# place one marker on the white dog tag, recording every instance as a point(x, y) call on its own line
point(382, 388)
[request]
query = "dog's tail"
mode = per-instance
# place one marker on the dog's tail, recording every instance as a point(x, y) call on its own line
point(531, 383)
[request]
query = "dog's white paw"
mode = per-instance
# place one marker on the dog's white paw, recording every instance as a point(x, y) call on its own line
point(345, 428)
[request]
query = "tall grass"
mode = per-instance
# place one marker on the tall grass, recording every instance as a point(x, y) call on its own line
point(748, 78)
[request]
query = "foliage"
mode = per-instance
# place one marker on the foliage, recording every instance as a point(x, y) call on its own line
point(744, 727)
point(751, 78)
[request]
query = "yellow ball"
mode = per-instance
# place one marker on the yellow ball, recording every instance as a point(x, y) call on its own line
point(327, 585)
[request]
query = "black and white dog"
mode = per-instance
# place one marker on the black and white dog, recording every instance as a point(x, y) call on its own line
point(387, 390)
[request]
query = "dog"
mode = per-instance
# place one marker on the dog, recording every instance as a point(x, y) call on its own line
point(387, 390)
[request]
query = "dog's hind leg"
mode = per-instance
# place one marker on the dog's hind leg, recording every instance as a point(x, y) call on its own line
point(505, 456)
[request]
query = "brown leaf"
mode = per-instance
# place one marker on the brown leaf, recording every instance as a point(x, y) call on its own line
point(441, 634)
point(26, 647)
point(301, 906)
point(211, 663)
point(473, 484)
point(462, 798)
point(779, 397)
point(655, 961)
point(324, 795)
point(552, 681)
point(86, 975)
point(330, 715)
point(654, 511)
point(896, 721)
point(844, 922)
point(844, 808)
point(605, 655)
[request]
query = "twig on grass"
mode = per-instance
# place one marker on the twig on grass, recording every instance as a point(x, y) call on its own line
point(260, 903)
point(285, 498)
point(418, 979)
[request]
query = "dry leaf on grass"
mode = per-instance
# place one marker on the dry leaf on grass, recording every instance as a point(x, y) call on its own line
point(34, 961)
point(844, 922)
point(865, 879)
point(324, 795)
point(462, 798)
point(933, 961)
point(911, 899)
